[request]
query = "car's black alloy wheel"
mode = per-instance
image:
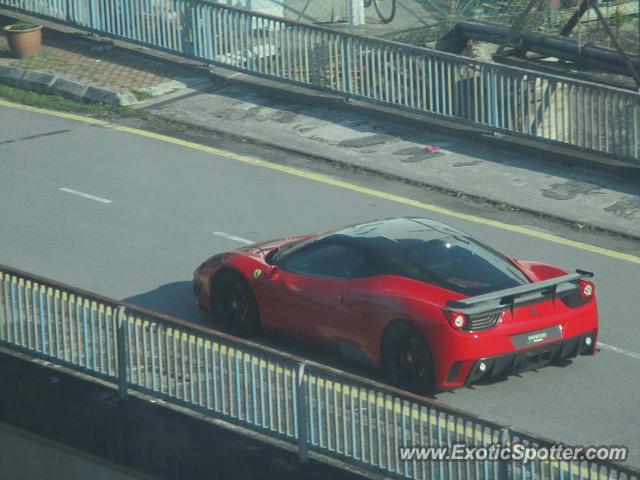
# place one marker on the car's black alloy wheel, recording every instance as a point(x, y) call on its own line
point(235, 304)
point(407, 359)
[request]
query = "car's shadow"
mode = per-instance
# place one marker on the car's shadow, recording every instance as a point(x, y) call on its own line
point(176, 300)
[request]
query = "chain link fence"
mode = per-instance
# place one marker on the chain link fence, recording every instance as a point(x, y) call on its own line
point(438, 17)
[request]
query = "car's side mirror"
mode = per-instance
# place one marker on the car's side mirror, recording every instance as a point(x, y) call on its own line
point(274, 274)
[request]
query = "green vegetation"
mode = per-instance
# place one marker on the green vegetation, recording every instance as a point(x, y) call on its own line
point(64, 104)
point(141, 95)
point(621, 20)
point(23, 26)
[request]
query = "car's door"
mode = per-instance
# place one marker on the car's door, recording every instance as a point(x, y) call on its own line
point(305, 298)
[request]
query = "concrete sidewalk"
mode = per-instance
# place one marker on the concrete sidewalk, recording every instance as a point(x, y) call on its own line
point(410, 150)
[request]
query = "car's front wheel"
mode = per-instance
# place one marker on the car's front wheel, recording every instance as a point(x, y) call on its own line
point(235, 304)
point(406, 358)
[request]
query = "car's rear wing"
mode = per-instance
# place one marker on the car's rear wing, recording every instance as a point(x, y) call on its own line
point(524, 294)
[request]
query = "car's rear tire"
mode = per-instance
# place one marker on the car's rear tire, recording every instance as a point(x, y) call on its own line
point(235, 304)
point(406, 359)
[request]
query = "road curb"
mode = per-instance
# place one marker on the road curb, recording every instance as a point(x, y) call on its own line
point(39, 82)
point(70, 89)
point(11, 76)
point(334, 160)
point(538, 150)
point(50, 84)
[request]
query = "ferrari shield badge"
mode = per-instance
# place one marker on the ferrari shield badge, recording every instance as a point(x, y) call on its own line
point(256, 273)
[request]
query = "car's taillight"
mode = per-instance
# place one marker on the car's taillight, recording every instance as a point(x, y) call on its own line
point(457, 320)
point(582, 296)
point(586, 289)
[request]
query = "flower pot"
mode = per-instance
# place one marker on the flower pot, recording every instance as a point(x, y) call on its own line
point(24, 39)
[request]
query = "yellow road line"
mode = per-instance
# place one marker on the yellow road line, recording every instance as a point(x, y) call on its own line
point(334, 182)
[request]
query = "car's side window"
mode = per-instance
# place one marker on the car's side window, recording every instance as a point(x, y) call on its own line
point(326, 260)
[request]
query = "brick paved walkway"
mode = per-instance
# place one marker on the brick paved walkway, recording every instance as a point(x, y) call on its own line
point(89, 61)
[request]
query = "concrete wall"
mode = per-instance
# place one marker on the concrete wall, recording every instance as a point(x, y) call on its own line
point(325, 11)
point(19, 451)
point(140, 435)
point(311, 11)
point(272, 7)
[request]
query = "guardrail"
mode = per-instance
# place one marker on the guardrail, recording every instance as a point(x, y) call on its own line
point(306, 404)
point(499, 98)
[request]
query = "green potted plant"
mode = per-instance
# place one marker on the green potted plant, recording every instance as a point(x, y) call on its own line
point(24, 39)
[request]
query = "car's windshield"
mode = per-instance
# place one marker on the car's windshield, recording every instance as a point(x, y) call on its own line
point(279, 252)
point(284, 250)
point(460, 264)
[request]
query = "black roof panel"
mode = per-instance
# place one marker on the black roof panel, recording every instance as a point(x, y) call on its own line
point(398, 229)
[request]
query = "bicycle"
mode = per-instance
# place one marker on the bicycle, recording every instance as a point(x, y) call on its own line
point(386, 9)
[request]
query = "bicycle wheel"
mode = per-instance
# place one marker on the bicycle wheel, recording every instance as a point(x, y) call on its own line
point(386, 9)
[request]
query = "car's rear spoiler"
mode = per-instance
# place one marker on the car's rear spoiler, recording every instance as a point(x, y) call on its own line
point(523, 294)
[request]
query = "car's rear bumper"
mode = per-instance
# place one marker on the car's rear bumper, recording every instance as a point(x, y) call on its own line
point(457, 355)
point(531, 358)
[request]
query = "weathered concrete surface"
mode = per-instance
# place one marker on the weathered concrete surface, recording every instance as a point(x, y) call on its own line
point(105, 95)
point(51, 84)
point(415, 151)
point(40, 82)
point(140, 435)
point(70, 89)
point(18, 449)
point(11, 76)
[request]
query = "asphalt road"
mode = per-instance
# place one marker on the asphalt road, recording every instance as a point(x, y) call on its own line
point(130, 217)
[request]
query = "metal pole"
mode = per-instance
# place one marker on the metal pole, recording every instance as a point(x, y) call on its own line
point(614, 40)
point(302, 415)
point(516, 28)
point(503, 465)
point(575, 18)
point(122, 353)
point(187, 30)
point(356, 12)
point(346, 71)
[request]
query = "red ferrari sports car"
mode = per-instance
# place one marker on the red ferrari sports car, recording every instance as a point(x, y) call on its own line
point(429, 304)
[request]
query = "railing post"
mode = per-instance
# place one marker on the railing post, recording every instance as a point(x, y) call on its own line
point(636, 133)
point(356, 12)
point(346, 70)
point(67, 13)
point(503, 465)
point(188, 30)
point(302, 415)
point(122, 353)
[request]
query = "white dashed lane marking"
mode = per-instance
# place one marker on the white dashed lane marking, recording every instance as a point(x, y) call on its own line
point(621, 351)
point(86, 195)
point(233, 237)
